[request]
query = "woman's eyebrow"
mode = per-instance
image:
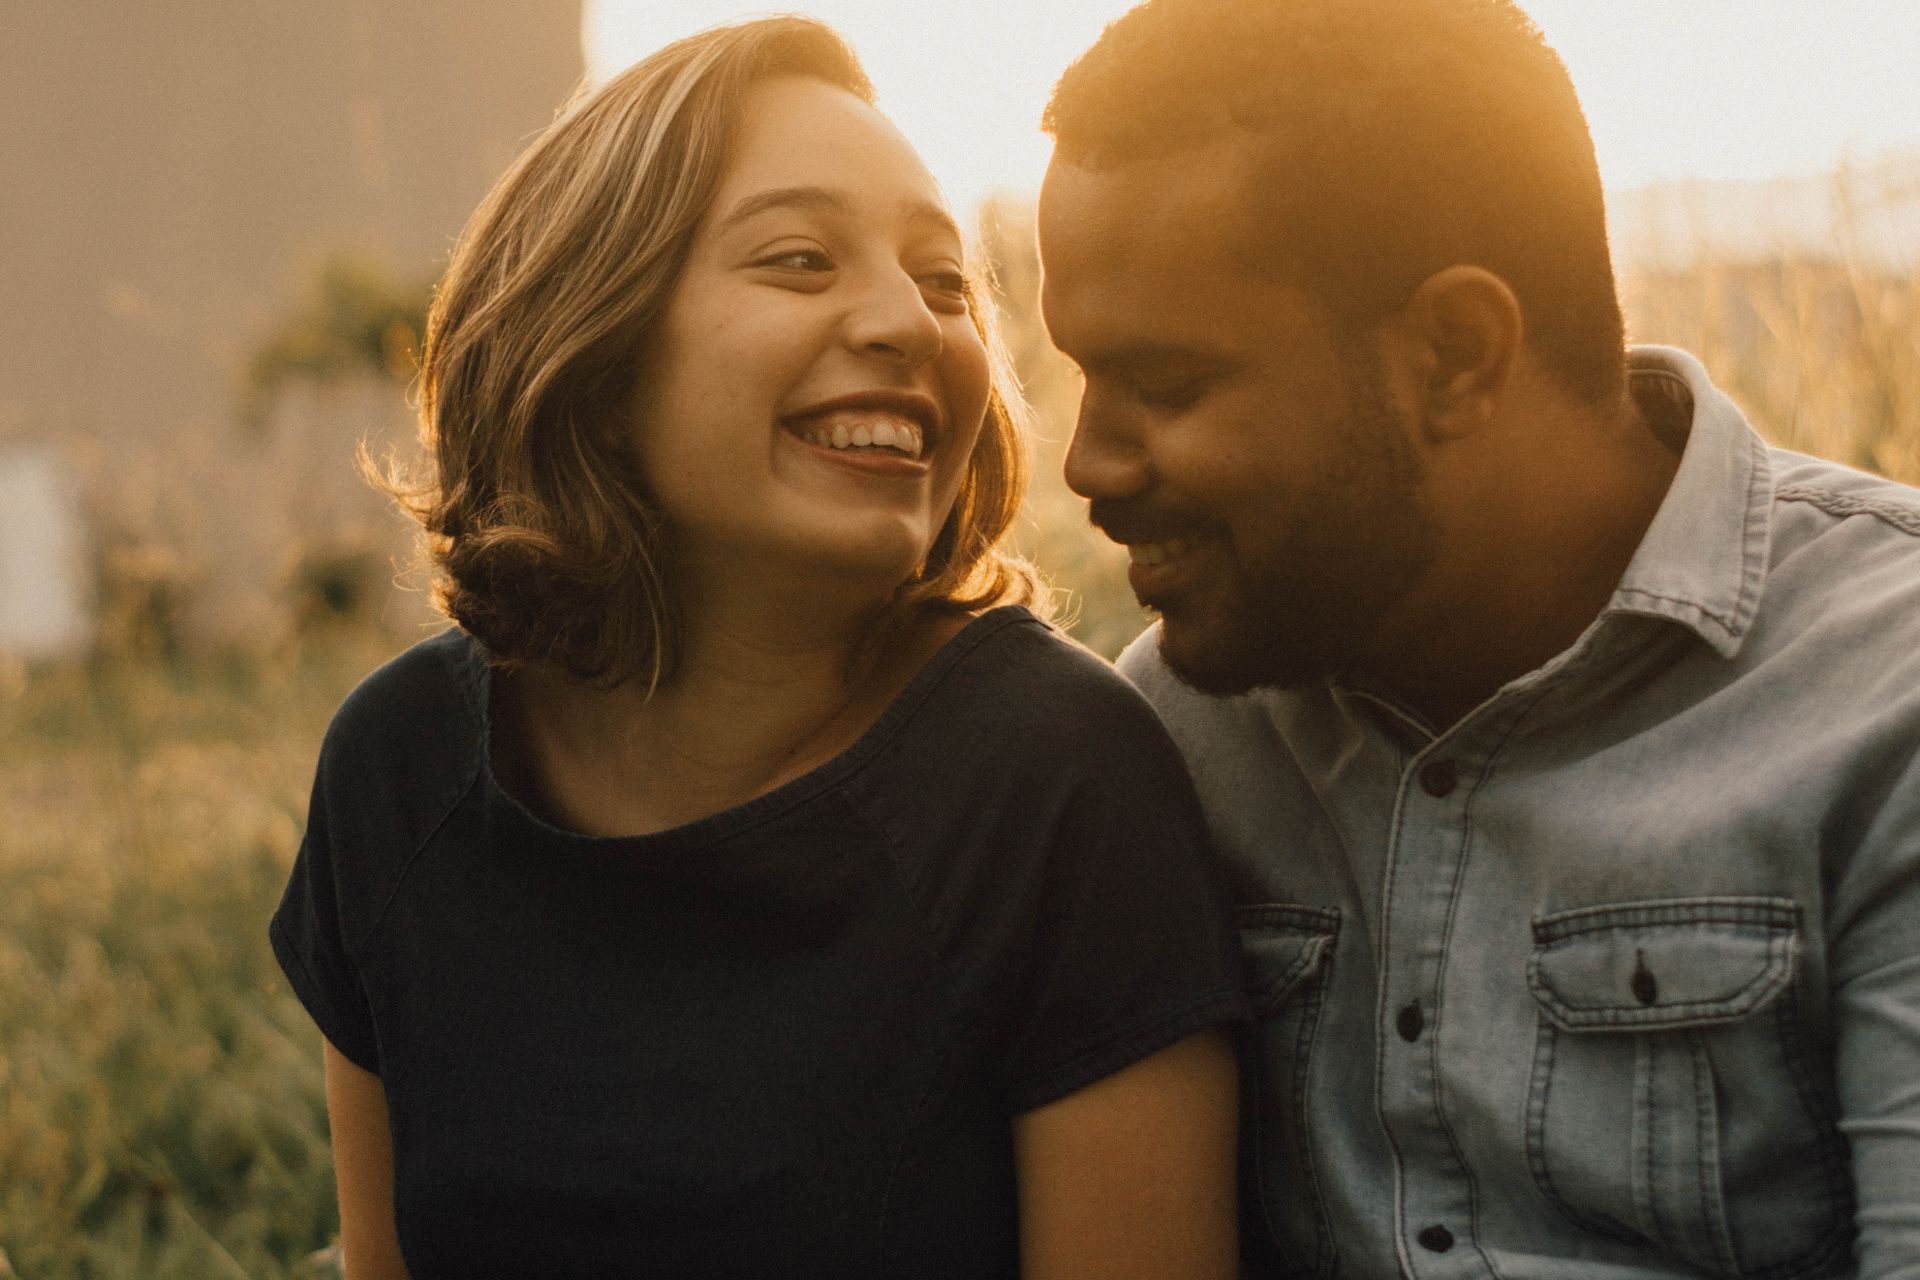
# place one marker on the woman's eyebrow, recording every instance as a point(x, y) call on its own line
point(926, 213)
point(811, 199)
point(826, 200)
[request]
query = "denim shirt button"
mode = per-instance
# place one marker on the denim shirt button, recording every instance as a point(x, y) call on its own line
point(1411, 1022)
point(1435, 1238)
point(1439, 778)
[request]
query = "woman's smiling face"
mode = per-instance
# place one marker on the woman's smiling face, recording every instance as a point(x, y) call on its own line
point(811, 396)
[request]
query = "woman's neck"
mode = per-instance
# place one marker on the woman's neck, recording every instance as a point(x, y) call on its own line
point(758, 698)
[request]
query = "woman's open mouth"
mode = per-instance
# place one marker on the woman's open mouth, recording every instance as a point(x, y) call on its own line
point(871, 431)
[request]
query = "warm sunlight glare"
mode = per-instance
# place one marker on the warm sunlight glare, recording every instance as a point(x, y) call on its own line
point(1673, 88)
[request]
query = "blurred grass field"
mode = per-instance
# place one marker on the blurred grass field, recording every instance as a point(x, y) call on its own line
point(161, 1115)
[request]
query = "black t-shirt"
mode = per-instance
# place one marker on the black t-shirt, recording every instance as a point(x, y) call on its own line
point(786, 1039)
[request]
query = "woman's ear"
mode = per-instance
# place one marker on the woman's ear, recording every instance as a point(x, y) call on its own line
point(1460, 336)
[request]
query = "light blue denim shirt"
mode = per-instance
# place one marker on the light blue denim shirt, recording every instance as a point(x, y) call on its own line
point(1620, 975)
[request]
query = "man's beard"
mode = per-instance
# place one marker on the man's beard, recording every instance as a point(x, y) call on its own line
point(1312, 605)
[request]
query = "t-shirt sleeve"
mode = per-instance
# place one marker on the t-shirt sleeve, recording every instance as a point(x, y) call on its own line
point(1131, 947)
point(309, 941)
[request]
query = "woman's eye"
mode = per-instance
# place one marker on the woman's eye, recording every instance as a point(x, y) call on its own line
point(949, 288)
point(797, 260)
point(952, 283)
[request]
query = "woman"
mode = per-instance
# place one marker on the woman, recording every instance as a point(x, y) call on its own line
point(745, 887)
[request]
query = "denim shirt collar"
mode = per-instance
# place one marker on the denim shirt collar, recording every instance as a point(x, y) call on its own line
point(1702, 562)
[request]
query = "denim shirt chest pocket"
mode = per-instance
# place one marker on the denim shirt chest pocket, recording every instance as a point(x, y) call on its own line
point(1289, 953)
point(1673, 1102)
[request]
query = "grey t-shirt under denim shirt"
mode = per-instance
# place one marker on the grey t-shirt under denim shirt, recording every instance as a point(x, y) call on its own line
point(1620, 975)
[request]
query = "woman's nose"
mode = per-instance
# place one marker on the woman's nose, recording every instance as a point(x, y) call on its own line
point(892, 319)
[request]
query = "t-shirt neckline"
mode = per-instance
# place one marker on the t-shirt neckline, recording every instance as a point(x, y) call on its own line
point(478, 673)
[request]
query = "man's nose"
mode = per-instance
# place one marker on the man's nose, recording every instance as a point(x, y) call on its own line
point(892, 319)
point(1106, 458)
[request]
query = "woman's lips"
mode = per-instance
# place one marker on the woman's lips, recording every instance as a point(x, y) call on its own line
point(862, 429)
point(893, 445)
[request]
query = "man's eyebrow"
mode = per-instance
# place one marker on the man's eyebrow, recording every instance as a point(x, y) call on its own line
point(826, 200)
point(1138, 356)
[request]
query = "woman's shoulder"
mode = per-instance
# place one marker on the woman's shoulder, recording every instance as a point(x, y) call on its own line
point(1033, 680)
point(1042, 823)
point(422, 709)
point(1013, 701)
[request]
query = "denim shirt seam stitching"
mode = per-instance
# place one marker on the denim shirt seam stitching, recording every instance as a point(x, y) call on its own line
point(1517, 716)
point(1844, 505)
point(1729, 622)
point(1753, 994)
point(1391, 873)
point(1756, 532)
point(1762, 911)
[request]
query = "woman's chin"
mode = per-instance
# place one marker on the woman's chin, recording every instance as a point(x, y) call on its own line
point(855, 570)
point(885, 549)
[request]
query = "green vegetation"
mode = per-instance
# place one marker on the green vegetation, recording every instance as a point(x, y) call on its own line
point(160, 1098)
point(356, 318)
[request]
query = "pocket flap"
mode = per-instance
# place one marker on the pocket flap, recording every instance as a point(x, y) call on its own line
point(1678, 963)
point(1286, 946)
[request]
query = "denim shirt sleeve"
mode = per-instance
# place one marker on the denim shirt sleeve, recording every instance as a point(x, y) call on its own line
point(1874, 963)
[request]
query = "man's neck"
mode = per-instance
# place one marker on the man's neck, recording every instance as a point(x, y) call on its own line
point(1542, 527)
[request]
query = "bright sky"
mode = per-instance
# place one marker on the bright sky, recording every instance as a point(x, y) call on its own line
point(1672, 88)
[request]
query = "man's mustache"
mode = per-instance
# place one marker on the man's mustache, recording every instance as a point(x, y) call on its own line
point(1131, 521)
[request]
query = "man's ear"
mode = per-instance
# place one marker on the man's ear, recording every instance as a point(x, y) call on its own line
point(1460, 336)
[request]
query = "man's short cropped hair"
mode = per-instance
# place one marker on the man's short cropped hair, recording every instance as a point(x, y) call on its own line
point(1394, 138)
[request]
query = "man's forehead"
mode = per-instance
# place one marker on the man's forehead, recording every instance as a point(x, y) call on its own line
point(1196, 210)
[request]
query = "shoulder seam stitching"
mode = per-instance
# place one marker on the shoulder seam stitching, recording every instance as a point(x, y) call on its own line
point(413, 860)
point(1901, 518)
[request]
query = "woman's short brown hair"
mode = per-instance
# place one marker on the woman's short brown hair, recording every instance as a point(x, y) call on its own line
point(544, 543)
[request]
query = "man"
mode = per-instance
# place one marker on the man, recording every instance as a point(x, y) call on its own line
point(1559, 735)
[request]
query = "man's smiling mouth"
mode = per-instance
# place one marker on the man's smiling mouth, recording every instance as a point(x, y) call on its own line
point(1151, 554)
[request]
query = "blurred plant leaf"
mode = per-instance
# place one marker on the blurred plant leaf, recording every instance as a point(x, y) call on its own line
point(357, 318)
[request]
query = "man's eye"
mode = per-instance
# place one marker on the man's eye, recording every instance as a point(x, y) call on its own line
point(1171, 395)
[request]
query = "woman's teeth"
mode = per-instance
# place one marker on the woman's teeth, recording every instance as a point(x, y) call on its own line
point(864, 429)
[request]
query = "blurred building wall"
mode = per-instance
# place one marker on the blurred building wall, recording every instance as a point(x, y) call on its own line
point(44, 610)
point(171, 173)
